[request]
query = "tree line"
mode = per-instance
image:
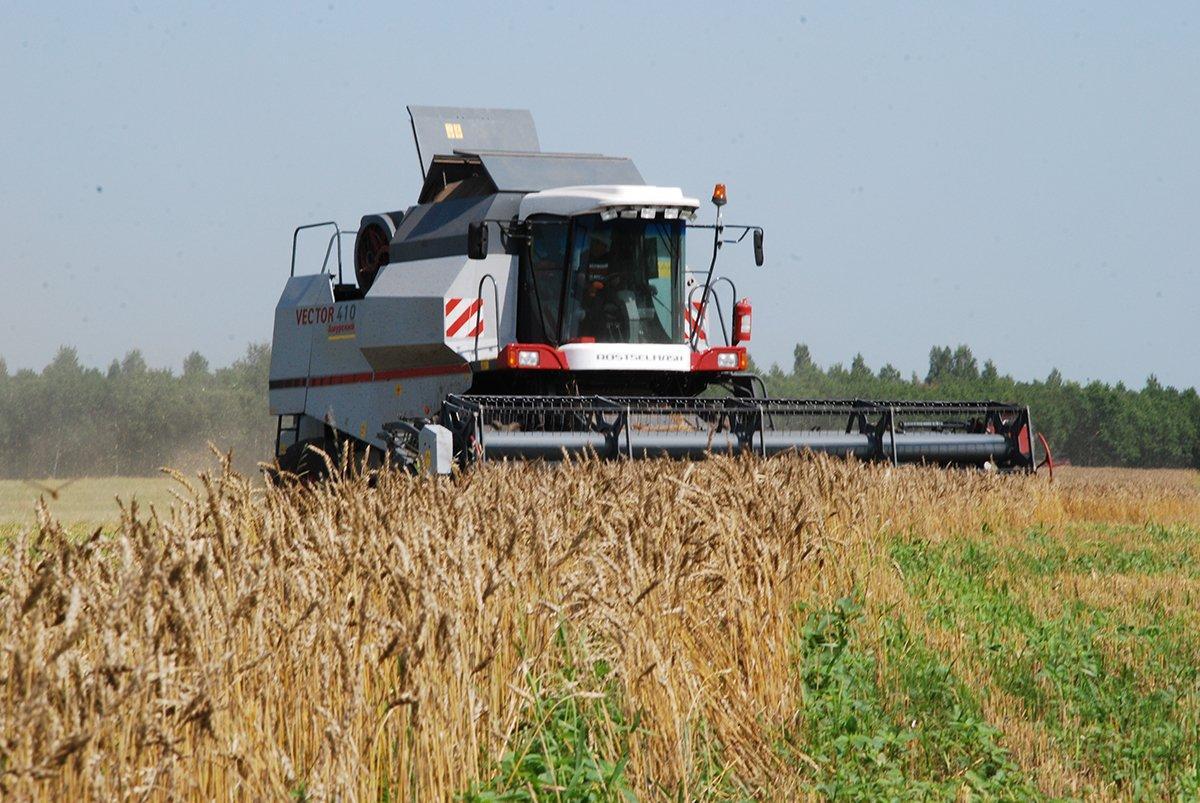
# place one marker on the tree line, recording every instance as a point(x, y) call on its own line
point(71, 420)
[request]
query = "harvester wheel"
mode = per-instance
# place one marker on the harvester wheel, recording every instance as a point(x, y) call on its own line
point(304, 459)
point(370, 254)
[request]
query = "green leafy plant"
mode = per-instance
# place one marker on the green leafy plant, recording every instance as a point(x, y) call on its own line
point(572, 743)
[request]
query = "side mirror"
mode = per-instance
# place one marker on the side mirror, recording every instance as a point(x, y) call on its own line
point(758, 252)
point(477, 240)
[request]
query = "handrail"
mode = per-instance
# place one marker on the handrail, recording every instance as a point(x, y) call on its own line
point(720, 315)
point(340, 233)
point(699, 316)
point(479, 309)
point(733, 297)
point(337, 234)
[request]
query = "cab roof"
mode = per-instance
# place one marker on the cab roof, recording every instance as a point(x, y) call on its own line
point(596, 198)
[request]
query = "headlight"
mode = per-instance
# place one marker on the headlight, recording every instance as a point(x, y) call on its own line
point(528, 359)
point(727, 359)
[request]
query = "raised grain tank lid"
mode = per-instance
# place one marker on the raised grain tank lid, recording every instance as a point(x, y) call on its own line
point(442, 130)
point(463, 174)
point(512, 171)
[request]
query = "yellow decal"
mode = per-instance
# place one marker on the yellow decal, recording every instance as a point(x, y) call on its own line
point(485, 364)
point(454, 131)
point(664, 267)
point(399, 388)
point(350, 336)
point(362, 430)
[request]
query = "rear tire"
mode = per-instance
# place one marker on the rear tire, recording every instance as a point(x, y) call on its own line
point(305, 461)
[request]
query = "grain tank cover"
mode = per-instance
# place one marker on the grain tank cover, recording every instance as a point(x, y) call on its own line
point(513, 171)
point(446, 129)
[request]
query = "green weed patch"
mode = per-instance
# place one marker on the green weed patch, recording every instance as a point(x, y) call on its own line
point(1047, 555)
point(1135, 738)
point(936, 745)
point(572, 742)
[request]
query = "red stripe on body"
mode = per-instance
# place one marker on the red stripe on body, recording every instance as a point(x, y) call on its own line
point(338, 379)
point(368, 376)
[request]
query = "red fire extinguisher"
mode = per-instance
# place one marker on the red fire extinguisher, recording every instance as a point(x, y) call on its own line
point(741, 322)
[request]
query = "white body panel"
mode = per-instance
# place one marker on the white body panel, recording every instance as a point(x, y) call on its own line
point(627, 356)
point(406, 319)
point(291, 351)
point(361, 409)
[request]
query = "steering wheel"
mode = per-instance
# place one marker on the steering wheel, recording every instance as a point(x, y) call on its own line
point(616, 322)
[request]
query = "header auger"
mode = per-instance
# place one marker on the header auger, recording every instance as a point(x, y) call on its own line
point(533, 305)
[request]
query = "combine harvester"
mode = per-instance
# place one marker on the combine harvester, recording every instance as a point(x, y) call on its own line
point(539, 305)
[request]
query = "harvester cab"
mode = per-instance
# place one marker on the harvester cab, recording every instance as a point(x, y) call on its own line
point(536, 305)
point(602, 294)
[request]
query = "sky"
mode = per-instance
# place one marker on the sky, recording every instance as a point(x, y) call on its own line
point(1020, 177)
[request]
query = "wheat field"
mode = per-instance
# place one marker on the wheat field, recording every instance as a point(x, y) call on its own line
point(726, 629)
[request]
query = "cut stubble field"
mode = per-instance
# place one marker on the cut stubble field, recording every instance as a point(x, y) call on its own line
point(727, 629)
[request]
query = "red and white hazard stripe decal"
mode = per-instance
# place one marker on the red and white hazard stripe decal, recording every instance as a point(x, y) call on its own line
point(464, 318)
point(692, 322)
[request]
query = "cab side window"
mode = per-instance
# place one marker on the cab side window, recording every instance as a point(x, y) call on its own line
point(541, 280)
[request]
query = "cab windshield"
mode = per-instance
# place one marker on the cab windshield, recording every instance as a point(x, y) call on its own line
point(623, 281)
